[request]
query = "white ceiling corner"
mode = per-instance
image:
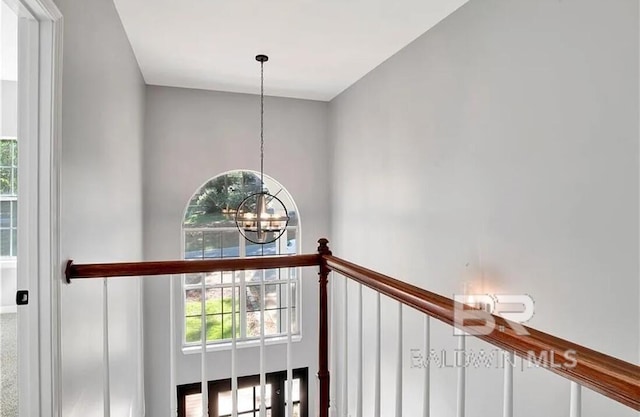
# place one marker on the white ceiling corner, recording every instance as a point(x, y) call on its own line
point(316, 48)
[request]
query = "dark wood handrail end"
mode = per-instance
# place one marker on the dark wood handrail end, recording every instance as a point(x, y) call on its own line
point(67, 271)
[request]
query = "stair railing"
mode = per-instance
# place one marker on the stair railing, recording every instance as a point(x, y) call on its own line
point(604, 374)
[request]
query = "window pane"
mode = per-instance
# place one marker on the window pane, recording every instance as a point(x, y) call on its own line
point(193, 405)
point(213, 311)
point(275, 305)
point(254, 249)
point(212, 278)
point(5, 214)
point(271, 296)
point(272, 322)
point(219, 313)
point(227, 296)
point(252, 276)
point(253, 324)
point(6, 153)
point(245, 399)
point(212, 245)
point(14, 213)
point(230, 242)
point(193, 302)
point(267, 399)
point(271, 274)
point(294, 308)
point(270, 249)
point(253, 298)
point(193, 327)
point(193, 311)
point(6, 181)
point(224, 403)
point(192, 279)
point(292, 245)
point(5, 242)
point(228, 277)
point(193, 245)
point(296, 389)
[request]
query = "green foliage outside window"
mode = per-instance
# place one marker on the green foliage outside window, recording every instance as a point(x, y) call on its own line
point(8, 197)
point(217, 200)
point(219, 320)
point(8, 167)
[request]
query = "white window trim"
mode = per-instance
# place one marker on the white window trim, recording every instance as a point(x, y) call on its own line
point(217, 346)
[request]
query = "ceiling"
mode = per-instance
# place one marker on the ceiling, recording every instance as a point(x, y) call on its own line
point(317, 48)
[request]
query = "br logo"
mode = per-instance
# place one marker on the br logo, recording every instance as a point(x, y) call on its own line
point(474, 313)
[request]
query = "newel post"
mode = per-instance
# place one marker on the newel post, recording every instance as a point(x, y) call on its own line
point(323, 328)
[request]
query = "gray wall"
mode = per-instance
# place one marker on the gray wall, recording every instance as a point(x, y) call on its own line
point(190, 137)
point(500, 148)
point(9, 108)
point(102, 116)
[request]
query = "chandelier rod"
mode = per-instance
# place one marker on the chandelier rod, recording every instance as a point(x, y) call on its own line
point(262, 61)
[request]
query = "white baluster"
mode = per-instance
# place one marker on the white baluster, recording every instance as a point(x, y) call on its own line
point(289, 330)
point(461, 391)
point(173, 397)
point(333, 344)
point(141, 395)
point(345, 338)
point(507, 409)
point(426, 398)
point(399, 364)
point(377, 391)
point(106, 379)
point(575, 409)
point(234, 349)
point(359, 364)
point(263, 376)
point(203, 348)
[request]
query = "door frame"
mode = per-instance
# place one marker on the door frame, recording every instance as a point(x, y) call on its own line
point(43, 270)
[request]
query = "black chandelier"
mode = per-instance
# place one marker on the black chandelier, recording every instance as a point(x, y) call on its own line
point(262, 217)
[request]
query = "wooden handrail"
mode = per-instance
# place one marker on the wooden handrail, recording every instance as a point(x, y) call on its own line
point(604, 374)
point(609, 376)
point(136, 269)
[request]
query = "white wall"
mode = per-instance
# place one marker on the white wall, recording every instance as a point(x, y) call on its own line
point(103, 110)
point(190, 137)
point(501, 148)
point(9, 96)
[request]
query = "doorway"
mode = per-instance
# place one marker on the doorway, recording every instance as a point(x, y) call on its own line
point(29, 31)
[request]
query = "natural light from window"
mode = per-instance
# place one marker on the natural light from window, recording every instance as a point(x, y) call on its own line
point(209, 232)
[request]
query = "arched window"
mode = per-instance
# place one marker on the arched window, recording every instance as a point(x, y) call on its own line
point(210, 232)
